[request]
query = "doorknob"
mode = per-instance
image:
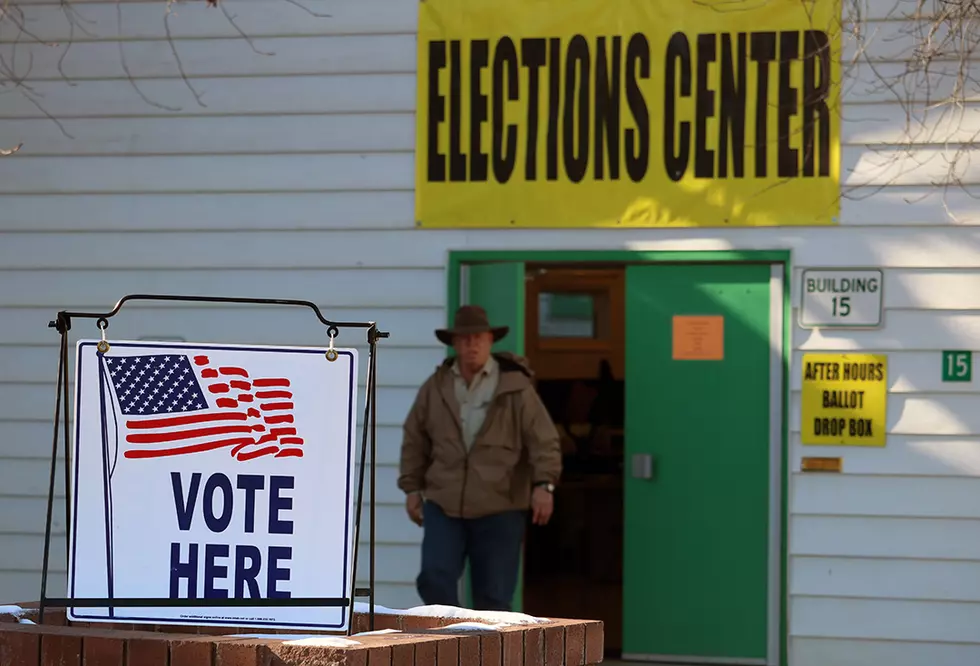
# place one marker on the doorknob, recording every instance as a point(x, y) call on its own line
point(643, 466)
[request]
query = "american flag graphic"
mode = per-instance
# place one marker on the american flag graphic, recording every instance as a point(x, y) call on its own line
point(166, 410)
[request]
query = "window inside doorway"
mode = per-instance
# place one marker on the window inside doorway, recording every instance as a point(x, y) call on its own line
point(566, 315)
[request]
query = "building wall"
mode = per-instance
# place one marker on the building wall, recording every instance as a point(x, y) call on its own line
point(293, 177)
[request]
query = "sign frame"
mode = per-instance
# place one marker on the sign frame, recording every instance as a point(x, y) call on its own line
point(63, 324)
point(842, 269)
point(193, 506)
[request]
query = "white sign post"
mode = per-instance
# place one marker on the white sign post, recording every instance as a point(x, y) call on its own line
point(213, 471)
point(841, 298)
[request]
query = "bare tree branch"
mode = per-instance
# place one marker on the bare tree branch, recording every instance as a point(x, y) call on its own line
point(930, 59)
point(19, 35)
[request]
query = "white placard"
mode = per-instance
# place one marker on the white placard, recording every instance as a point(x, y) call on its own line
point(226, 468)
point(841, 298)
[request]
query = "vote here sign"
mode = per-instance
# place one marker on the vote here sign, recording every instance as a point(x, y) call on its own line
point(213, 472)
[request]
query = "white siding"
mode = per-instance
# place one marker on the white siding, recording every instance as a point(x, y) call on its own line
point(345, 165)
point(294, 178)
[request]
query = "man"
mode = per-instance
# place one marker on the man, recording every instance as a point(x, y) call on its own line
point(479, 450)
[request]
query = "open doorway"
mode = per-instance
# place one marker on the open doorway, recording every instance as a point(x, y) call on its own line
point(679, 551)
point(575, 342)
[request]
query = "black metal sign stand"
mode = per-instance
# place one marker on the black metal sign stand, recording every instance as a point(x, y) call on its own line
point(368, 438)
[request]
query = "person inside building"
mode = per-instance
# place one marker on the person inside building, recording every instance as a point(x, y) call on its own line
point(479, 452)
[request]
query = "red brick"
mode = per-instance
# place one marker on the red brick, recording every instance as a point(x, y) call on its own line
point(534, 647)
point(147, 652)
point(353, 657)
point(361, 623)
point(447, 652)
point(594, 642)
point(379, 655)
point(425, 653)
point(490, 650)
point(102, 651)
point(575, 645)
point(190, 653)
point(418, 622)
point(18, 648)
point(383, 621)
point(403, 654)
point(61, 650)
point(554, 645)
point(242, 653)
point(469, 651)
point(512, 644)
point(55, 617)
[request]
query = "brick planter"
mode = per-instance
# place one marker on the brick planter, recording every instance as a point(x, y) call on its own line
point(404, 640)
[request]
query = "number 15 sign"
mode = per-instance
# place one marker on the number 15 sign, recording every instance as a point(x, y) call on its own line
point(841, 298)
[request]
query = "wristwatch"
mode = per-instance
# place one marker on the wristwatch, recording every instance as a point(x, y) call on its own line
point(550, 487)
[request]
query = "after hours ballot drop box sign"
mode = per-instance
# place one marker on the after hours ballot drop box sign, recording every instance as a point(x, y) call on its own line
point(844, 399)
point(213, 472)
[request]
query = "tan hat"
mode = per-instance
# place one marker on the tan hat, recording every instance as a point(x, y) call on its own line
point(470, 319)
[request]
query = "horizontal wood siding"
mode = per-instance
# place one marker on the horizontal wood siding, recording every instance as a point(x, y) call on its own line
point(291, 175)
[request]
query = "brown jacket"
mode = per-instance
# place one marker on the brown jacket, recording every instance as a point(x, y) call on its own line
point(517, 445)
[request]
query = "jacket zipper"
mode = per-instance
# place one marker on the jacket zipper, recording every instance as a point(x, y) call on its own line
point(466, 460)
point(462, 492)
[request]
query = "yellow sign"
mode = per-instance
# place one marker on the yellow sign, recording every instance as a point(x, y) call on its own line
point(844, 399)
point(627, 113)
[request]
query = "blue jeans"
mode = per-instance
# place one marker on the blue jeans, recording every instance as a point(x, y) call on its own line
point(493, 545)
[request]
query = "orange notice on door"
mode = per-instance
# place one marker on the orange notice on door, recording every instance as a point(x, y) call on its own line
point(699, 338)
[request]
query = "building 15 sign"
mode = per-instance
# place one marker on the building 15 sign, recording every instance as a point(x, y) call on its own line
point(844, 397)
point(841, 298)
point(213, 471)
point(631, 113)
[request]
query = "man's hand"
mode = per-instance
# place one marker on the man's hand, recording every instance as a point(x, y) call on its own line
point(542, 506)
point(413, 505)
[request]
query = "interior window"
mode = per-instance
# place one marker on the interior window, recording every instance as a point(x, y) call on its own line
point(566, 315)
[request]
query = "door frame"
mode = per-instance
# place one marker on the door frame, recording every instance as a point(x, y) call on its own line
point(779, 332)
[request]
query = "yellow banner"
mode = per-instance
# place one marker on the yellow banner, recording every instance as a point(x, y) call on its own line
point(629, 113)
point(845, 398)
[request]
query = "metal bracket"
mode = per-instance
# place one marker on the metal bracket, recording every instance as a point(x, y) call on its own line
point(643, 466)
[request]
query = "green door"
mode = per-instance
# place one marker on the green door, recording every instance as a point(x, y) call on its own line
point(697, 464)
point(499, 289)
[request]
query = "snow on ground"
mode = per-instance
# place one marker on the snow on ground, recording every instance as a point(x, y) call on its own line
point(302, 639)
point(364, 607)
point(474, 626)
point(472, 620)
point(505, 618)
point(17, 612)
point(496, 617)
point(322, 641)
